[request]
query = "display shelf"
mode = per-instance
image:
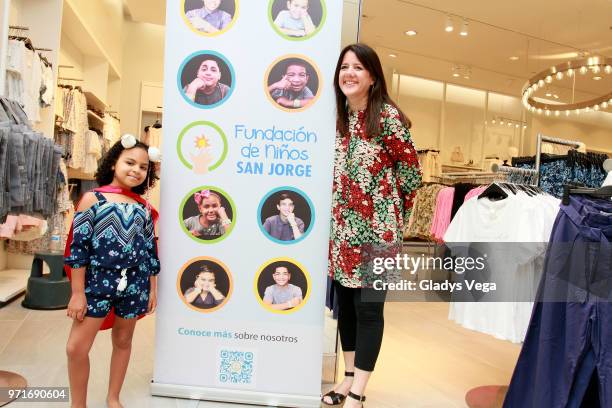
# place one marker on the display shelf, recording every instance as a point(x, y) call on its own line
point(12, 283)
point(94, 119)
point(79, 174)
point(83, 37)
point(94, 100)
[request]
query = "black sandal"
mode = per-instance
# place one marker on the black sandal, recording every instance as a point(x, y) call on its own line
point(336, 397)
point(360, 398)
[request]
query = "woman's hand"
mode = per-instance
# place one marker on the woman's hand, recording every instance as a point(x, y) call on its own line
point(77, 307)
point(152, 301)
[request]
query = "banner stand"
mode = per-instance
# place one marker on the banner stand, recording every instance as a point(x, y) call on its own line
point(234, 396)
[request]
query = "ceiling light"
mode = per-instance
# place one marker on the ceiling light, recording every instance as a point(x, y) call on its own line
point(516, 126)
point(411, 33)
point(456, 74)
point(393, 55)
point(524, 126)
point(514, 58)
point(448, 27)
point(596, 107)
point(598, 65)
point(501, 122)
point(493, 121)
point(604, 105)
point(557, 113)
point(464, 29)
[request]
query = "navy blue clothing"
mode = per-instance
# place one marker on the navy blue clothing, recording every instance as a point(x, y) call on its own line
point(114, 236)
point(570, 333)
point(111, 240)
point(102, 294)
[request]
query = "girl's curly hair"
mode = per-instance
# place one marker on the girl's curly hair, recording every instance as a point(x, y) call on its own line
point(105, 173)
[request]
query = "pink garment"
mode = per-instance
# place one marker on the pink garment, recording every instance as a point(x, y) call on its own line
point(16, 224)
point(7, 230)
point(442, 213)
point(474, 192)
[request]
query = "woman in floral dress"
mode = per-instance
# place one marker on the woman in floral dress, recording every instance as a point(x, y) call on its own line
point(376, 174)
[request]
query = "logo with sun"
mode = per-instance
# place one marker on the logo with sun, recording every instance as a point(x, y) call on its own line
point(199, 149)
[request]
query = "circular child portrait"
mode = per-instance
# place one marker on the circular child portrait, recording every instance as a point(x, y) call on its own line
point(210, 17)
point(204, 284)
point(207, 214)
point(202, 147)
point(297, 19)
point(206, 79)
point(282, 285)
point(293, 83)
point(286, 215)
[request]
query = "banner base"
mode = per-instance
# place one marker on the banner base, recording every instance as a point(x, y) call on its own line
point(234, 396)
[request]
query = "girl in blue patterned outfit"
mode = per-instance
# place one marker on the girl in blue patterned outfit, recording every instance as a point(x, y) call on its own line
point(114, 263)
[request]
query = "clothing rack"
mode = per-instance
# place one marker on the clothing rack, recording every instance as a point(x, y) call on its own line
point(531, 173)
point(543, 138)
point(476, 177)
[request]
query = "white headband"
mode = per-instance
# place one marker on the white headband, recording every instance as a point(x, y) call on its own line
point(128, 141)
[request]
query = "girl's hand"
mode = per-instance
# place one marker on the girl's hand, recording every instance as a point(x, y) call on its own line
point(222, 214)
point(77, 306)
point(195, 233)
point(152, 302)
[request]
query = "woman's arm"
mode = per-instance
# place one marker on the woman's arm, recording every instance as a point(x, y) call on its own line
point(398, 143)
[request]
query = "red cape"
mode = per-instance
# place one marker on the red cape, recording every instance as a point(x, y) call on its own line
point(110, 318)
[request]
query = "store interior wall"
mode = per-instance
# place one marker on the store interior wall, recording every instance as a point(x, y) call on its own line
point(597, 138)
point(143, 61)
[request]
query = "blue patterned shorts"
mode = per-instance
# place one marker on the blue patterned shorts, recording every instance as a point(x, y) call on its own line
point(101, 291)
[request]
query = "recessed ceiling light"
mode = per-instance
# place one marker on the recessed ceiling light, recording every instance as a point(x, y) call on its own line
point(448, 27)
point(393, 55)
point(464, 29)
point(411, 33)
point(548, 94)
point(514, 58)
point(596, 78)
point(556, 96)
point(456, 75)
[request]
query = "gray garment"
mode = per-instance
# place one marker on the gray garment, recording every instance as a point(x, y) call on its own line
point(212, 232)
point(29, 163)
point(280, 230)
point(278, 294)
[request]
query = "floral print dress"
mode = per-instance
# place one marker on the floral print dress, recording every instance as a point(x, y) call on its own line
point(375, 180)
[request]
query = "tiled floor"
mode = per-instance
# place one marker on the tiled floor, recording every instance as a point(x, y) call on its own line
point(426, 361)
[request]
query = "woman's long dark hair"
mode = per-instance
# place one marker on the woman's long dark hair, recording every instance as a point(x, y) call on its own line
point(377, 97)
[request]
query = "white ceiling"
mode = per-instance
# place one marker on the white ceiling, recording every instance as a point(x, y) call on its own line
point(541, 33)
point(147, 11)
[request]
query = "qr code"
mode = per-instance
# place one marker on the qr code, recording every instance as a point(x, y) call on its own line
point(236, 367)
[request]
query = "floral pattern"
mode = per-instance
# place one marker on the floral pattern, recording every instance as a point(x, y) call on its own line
point(373, 190)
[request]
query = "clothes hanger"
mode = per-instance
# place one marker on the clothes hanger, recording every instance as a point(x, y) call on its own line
point(494, 192)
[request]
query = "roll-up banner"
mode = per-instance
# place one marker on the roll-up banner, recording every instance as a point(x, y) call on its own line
point(249, 128)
